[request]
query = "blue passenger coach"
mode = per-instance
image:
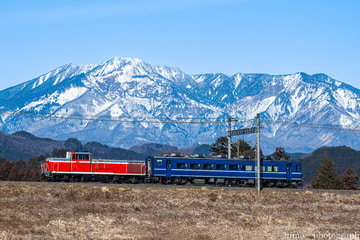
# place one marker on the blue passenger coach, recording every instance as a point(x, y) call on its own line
point(181, 170)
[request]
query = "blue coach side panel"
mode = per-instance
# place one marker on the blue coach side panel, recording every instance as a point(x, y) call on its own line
point(222, 168)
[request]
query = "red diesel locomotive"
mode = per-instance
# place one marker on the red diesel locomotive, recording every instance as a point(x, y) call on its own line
point(80, 166)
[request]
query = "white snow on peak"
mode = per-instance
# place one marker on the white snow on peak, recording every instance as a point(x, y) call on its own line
point(199, 79)
point(238, 79)
point(225, 96)
point(170, 72)
point(56, 98)
point(338, 83)
point(71, 94)
point(347, 99)
point(217, 82)
point(61, 73)
point(291, 81)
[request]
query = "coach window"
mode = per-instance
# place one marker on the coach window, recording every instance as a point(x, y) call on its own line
point(248, 168)
point(276, 168)
point(194, 166)
point(262, 168)
point(270, 168)
point(220, 167)
point(208, 166)
point(181, 165)
point(297, 168)
point(234, 167)
point(159, 162)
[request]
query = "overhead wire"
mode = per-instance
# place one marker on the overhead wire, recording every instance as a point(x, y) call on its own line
point(166, 120)
point(123, 120)
point(309, 125)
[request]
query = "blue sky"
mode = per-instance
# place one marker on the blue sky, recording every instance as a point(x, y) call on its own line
point(225, 36)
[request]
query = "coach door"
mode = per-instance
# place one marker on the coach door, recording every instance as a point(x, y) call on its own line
point(168, 168)
point(288, 172)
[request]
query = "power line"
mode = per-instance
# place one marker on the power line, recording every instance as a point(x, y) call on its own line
point(316, 126)
point(93, 116)
point(124, 120)
point(129, 119)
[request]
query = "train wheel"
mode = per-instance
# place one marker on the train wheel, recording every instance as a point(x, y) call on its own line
point(66, 178)
point(230, 182)
point(167, 180)
point(180, 181)
point(154, 179)
point(164, 180)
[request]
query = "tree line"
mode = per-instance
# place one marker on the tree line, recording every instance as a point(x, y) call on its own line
point(18, 171)
point(241, 147)
point(327, 177)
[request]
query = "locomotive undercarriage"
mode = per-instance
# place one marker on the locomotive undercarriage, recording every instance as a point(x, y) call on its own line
point(92, 178)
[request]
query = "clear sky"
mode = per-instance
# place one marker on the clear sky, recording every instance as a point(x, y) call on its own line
point(198, 36)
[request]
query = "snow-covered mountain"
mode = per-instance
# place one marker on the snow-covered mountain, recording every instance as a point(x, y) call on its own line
point(125, 101)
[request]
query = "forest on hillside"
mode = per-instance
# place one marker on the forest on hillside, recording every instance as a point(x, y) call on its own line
point(342, 157)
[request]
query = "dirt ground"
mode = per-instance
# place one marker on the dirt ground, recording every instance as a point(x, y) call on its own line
point(85, 212)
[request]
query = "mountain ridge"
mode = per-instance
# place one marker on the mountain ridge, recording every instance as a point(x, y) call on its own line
point(125, 102)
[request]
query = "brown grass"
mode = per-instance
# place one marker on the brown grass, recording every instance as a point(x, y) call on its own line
point(79, 212)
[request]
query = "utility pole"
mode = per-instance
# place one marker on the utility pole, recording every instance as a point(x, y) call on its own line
point(244, 131)
point(229, 138)
point(258, 154)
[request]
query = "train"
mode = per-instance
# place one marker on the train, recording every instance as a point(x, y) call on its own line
point(173, 169)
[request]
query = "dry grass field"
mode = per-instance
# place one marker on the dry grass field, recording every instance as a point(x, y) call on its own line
point(108, 212)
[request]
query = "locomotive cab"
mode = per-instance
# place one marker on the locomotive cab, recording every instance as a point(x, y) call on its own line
point(80, 161)
point(78, 156)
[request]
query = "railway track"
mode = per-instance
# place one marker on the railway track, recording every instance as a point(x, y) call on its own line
point(186, 186)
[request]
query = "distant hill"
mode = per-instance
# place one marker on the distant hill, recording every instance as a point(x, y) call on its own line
point(152, 149)
point(24, 145)
point(342, 158)
point(295, 156)
point(201, 148)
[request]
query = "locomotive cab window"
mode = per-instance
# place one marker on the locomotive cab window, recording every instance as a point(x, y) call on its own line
point(82, 156)
point(194, 166)
point(220, 167)
point(181, 165)
point(208, 166)
point(234, 167)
